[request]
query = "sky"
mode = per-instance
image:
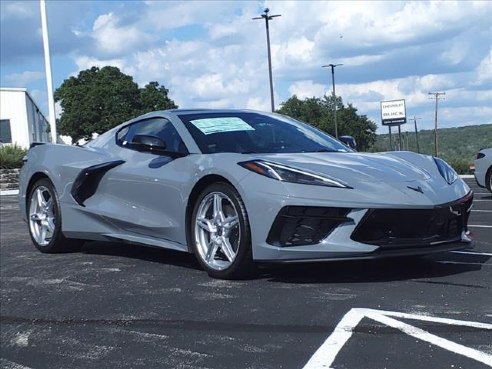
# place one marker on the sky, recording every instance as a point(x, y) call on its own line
point(211, 54)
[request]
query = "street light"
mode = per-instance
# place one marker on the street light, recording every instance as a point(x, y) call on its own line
point(47, 65)
point(416, 132)
point(333, 66)
point(268, 18)
point(437, 96)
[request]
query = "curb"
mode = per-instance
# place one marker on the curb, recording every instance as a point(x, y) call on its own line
point(9, 192)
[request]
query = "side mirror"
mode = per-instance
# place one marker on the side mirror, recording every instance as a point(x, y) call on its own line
point(349, 141)
point(148, 143)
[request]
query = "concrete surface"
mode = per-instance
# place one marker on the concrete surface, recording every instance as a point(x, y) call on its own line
point(124, 306)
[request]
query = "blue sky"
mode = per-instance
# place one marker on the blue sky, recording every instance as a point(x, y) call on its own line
point(211, 54)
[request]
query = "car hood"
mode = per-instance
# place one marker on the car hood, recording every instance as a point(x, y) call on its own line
point(361, 167)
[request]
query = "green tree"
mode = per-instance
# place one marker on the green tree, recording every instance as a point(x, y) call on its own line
point(100, 98)
point(319, 113)
point(154, 97)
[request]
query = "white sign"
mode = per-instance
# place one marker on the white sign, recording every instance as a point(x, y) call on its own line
point(225, 124)
point(393, 112)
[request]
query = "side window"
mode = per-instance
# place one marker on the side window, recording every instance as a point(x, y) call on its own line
point(157, 127)
point(5, 132)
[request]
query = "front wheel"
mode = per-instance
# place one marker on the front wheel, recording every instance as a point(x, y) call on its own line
point(44, 218)
point(220, 233)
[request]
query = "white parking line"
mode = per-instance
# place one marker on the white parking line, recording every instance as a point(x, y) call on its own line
point(471, 253)
point(326, 354)
point(481, 200)
point(479, 226)
point(481, 211)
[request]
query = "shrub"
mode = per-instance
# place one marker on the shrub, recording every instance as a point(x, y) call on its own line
point(11, 156)
point(460, 166)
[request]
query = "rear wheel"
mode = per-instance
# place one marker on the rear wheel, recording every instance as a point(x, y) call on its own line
point(220, 233)
point(44, 218)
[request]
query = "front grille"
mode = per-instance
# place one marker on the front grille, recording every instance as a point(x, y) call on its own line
point(414, 227)
point(305, 225)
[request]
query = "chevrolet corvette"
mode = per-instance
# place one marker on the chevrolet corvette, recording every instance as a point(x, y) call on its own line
point(238, 187)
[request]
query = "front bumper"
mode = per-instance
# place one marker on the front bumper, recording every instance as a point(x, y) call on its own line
point(365, 233)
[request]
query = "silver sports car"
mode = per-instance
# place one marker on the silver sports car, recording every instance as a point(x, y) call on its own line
point(235, 187)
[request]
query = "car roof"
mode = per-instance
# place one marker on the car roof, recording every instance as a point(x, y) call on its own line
point(178, 112)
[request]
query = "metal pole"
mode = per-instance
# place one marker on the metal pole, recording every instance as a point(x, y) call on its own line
point(332, 66)
point(47, 65)
point(334, 100)
point(269, 63)
point(399, 137)
point(416, 133)
point(267, 19)
point(391, 142)
point(436, 147)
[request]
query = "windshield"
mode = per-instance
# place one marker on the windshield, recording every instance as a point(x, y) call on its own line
point(256, 133)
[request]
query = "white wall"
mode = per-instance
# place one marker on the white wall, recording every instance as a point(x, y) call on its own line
point(27, 123)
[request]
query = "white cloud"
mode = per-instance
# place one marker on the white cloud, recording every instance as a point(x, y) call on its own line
point(112, 38)
point(86, 62)
point(24, 78)
point(484, 69)
point(307, 89)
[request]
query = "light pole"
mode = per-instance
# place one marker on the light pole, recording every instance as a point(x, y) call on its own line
point(47, 64)
point(268, 18)
point(437, 97)
point(416, 132)
point(333, 66)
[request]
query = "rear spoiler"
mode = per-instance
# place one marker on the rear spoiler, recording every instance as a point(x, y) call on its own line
point(34, 144)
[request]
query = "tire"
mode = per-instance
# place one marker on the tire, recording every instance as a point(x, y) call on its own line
point(220, 234)
point(44, 220)
point(488, 179)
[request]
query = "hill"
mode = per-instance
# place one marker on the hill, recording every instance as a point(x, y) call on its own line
point(458, 146)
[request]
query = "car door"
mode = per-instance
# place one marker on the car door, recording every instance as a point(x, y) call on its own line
point(145, 195)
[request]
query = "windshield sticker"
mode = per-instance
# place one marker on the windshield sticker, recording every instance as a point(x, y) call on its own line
point(225, 124)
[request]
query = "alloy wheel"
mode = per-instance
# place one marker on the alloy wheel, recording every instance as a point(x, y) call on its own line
point(42, 216)
point(217, 231)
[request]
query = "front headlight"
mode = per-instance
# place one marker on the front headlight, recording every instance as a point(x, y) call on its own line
point(447, 172)
point(287, 174)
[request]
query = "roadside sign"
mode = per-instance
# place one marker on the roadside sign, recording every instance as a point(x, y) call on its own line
point(393, 112)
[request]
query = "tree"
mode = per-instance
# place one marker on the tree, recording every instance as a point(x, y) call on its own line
point(100, 98)
point(154, 97)
point(319, 113)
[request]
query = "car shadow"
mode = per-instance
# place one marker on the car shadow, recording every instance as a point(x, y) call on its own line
point(356, 271)
point(380, 270)
point(140, 252)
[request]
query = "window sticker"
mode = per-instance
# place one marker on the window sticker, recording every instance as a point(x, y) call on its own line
point(225, 124)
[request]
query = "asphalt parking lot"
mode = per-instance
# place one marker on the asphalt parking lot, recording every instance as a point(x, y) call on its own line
point(122, 306)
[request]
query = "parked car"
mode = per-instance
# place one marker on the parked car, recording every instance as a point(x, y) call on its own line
point(236, 187)
point(483, 168)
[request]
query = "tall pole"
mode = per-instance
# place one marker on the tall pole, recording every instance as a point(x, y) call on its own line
point(47, 66)
point(416, 132)
point(399, 137)
point(268, 18)
point(437, 97)
point(332, 66)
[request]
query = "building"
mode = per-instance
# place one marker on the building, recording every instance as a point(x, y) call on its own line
point(21, 121)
